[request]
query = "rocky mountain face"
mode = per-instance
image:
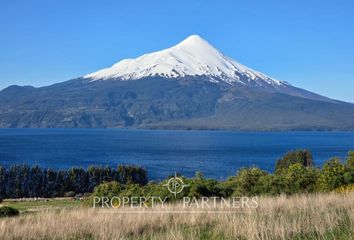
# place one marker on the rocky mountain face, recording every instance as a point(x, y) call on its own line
point(189, 86)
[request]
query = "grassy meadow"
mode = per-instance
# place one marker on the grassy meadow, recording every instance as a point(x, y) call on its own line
point(306, 216)
point(40, 205)
point(297, 201)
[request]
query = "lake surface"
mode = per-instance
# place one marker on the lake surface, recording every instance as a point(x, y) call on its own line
point(217, 154)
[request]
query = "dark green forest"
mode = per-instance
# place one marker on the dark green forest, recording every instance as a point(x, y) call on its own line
point(21, 181)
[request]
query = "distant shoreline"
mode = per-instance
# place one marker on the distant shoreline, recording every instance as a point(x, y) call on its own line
point(192, 129)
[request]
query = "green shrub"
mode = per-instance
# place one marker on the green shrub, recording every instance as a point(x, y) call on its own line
point(331, 176)
point(6, 211)
point(109, 189)
point(272, 184)
point(299, 179)
point(350, 160)
point(303, 157)
point(202, 187)
point(247, 182)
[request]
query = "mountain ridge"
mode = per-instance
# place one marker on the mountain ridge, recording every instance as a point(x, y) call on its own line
point(201, 96)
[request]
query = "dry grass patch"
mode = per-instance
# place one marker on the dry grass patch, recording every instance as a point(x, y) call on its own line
point(322, 216)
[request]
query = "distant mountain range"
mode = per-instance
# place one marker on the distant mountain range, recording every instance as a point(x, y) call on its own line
point(188, 86)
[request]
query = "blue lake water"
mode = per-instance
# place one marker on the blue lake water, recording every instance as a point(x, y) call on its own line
point(218, 154)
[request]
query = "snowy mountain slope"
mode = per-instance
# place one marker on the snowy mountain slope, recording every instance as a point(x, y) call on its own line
point(196, 58)
point(192, 57)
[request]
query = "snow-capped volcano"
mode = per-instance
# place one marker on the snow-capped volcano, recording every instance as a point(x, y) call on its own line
point(194, 56)
point(188, 86)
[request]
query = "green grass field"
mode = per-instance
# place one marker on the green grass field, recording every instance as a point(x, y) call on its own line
point(33, 206)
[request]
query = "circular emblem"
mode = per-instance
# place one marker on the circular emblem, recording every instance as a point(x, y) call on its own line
point(175, 185)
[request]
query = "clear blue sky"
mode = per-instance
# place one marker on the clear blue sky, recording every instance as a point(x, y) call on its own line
point(309, 43)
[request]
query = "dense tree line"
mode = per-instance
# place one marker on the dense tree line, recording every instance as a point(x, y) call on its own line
point(294, 173)
point(24, 181)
